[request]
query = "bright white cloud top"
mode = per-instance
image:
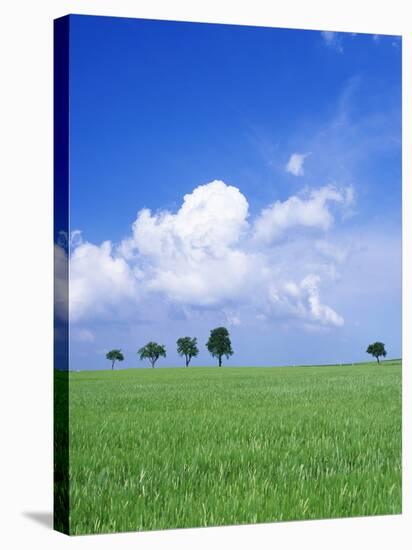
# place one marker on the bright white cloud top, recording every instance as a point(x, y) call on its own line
point(210, 254)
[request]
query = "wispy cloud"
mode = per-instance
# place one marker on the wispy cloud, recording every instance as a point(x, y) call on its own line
point(82, 335)
point(345, 145)
point(333, 40)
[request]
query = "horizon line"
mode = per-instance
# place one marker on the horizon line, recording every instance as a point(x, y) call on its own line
point(347, 364)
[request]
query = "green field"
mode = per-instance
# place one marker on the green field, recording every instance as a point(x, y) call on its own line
point(168, 448)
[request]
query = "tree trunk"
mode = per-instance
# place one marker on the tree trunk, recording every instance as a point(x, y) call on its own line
point(187, 361)
point(377, 358)
point(153, 362)
point(220, 360)
point(113, 364)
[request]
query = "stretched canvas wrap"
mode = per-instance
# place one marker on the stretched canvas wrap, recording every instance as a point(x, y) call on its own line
point(227, 274)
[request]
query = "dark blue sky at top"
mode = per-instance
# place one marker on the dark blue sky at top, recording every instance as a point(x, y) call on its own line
point(159, 107)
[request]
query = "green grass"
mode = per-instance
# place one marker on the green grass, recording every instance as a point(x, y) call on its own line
point(168, 448)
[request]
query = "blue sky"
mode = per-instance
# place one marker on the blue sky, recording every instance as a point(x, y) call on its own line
point(287, 147)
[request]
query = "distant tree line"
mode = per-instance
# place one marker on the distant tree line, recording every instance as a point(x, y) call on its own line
point(218, 345)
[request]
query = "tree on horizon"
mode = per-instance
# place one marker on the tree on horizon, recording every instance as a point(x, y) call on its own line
point(152, 351)
point(114, 355)
point(187, 347)
point(219, 344)
point(377, 350)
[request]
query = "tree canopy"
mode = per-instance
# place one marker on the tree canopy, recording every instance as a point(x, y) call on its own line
point(114, 355)
point(219, 344)
point(187, 347)
point(152, 351)
point(377, 350)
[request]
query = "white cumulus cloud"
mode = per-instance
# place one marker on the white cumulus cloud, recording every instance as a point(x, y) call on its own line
point(211, 218)
point(311, 212)
point(61, 270)
point(302, 301)
point(205, 257)
point(192, 256)
point(295, 163)
point(99, 281)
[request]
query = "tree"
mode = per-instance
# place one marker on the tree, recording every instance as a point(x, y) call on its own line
point(152, 351)
point(114, 355)
point(377, 350)
point(187, 347)
point(219, 344)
